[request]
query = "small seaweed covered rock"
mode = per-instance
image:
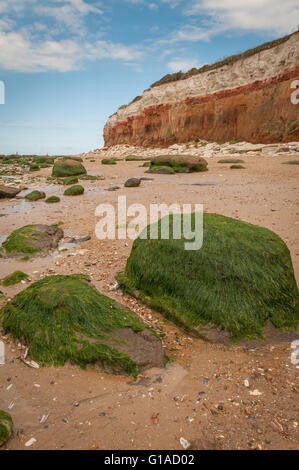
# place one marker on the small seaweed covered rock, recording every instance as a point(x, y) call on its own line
point(70, 180)
point(64, 318)
point(68, 167)
point(31, 239)
point(231, 160)
point(76, 190)
point(239, 280)
point(35, 196)
point(109, 161)
point(52, 199)
point(34, 167)
point(178, 163)
point(161, 170)
point(6, 426)
point(14, 278)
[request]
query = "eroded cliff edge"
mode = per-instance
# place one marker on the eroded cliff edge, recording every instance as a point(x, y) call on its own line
point(246, 99)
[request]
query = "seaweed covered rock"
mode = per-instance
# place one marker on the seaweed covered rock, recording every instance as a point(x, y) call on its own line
point(35, 196)
point(239, 280)
point(70, 180)
point(68, 167)
point(231, 160)
point(52, 199)
point(6, 426)
point(109, 161)
point(161, 170)
point(76, 190)
point(31, 239)
point(64, 318)
point(14, 278)
point(178, 164)
point(34, 167)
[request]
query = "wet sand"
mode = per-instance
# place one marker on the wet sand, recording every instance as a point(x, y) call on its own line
point(91, 409)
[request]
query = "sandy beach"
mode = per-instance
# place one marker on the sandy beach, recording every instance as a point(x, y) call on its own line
point(223, 397)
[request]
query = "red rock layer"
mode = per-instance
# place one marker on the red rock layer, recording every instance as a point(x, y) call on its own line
point(260, 112)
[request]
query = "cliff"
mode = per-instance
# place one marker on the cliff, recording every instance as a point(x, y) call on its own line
point(244, 98)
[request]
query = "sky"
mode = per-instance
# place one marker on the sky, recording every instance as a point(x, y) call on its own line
point(67, 65)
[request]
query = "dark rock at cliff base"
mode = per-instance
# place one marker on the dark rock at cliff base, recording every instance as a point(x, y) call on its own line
point(31, 239)
point(8, 191)
point(132, 183)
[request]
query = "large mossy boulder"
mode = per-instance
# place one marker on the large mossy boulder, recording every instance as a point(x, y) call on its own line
point(6, 427)
point(31, 239)
point(178, 164)
point(63, 318)
point(239, 280)
point(68, 167)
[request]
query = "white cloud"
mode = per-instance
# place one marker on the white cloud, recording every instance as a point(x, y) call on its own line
point(183, 65)
point(35, 47)
point(275, 16)
point(21, 53)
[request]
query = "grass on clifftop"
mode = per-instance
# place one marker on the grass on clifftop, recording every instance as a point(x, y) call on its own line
point(226, 61)
point(240, 278)
point(63, 318)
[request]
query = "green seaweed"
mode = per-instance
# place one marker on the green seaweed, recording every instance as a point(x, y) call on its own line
point(52, 199)
point(6, 426)
point(14, 278)
point(19, 240)
point(35, 196)
point(231, 160)
point(63, 318)
point(70, 180)
point(76, 190)
point(240, 278)
point(109, 161)
point(62, 168)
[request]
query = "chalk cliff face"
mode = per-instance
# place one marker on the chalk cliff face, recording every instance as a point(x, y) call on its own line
point(247, 99)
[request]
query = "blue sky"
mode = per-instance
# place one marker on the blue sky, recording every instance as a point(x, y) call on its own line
point(68, 64)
